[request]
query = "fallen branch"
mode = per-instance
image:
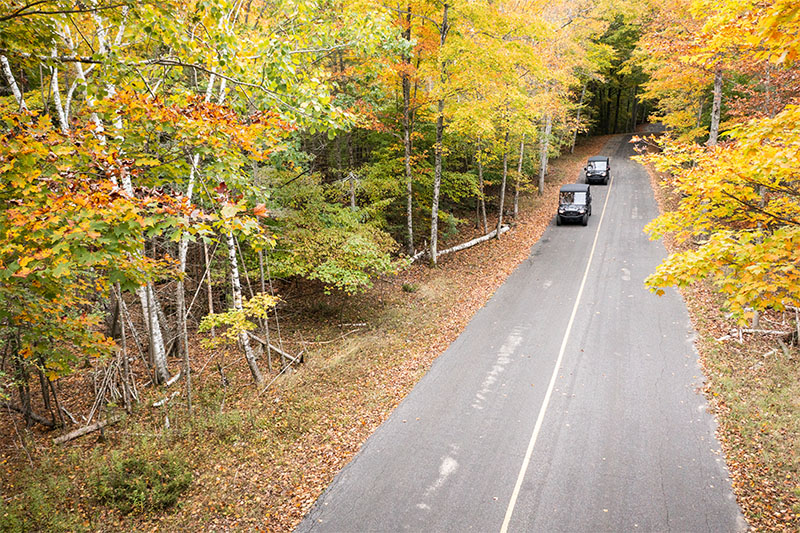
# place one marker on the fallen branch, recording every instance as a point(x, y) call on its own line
point(72, 435)
point(767, 331)
point(33, 416)
point(294, 359)
point(473, 242)
point(159, 403)
point(173, 379)
point(463, 246)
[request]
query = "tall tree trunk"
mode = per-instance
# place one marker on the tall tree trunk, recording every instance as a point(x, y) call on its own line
point(616, 107)
point(180, 296)
point(12, 82)
point(437, 173)
point(407, 126)
point(519, 176)
point(158, 352)
point(479, 159)
point(503, 185)
point(635, 111)
point(578, 120)
point(183, 246)
point(352, 179)
point(56, 92)
point(265, 320)
point(236, 288)
point(716, 108)
point(544, 151)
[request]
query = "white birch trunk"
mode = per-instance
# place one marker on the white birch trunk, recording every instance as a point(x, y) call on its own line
point(147, 298)
point(244, 339)
point(406, 82)
point(544, 147)
point(716, 108)
point(146, 293)
point(437, 174)
point(503, 185)
point(578, 120)
point(481, 185)
point(12, 82)
point(519, 176)
point(56, 92)
point(352, 179)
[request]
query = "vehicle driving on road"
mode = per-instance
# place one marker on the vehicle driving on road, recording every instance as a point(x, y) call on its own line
point(574, 204)
point(598, 169)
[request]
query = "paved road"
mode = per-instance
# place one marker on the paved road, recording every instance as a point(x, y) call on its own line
point(557, 409)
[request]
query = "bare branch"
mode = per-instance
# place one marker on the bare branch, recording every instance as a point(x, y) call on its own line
point(21, 12)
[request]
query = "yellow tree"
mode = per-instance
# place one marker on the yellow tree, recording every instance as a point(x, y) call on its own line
point(740, 199)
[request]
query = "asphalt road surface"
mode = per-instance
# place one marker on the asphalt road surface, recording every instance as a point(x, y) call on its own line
point(569, 403)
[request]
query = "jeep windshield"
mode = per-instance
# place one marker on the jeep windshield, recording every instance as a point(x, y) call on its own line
point(574, 198)
point(597, 166)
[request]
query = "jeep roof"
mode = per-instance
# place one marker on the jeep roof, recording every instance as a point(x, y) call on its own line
point(575, 187)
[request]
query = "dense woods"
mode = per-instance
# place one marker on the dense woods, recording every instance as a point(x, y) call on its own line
point(167, 168)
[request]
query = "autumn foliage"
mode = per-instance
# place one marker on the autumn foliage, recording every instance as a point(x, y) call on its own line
point(740, 199)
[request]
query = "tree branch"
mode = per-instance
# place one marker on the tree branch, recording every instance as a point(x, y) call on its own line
point(20, 12)
point(760, 210)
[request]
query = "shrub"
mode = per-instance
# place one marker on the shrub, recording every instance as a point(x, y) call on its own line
point(141, 484)
point(410, 287)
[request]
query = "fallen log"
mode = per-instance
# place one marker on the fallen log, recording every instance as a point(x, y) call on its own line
point(298, 359)
point(463, 246)
point(33, 416)
point(767, 331)
point(473, 242)
point(85, 430)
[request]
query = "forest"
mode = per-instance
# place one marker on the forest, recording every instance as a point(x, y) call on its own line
point(181, 179)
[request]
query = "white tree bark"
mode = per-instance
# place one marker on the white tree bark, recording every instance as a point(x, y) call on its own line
point(12, 82)
point(244, 338)
point(479, 157)
point(544, 147)
point(437, 173)
point(578, 119)
point(519, 176)
point(407, 126)
point(716, 108)
point(503, 185)
point(147, 296)
point(55, 91)
point(473, 242)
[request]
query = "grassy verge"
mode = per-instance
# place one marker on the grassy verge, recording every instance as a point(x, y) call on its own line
point(259, 461)
point(753, 387)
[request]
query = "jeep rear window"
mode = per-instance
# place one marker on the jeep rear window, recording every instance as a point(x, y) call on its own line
point(569, 197)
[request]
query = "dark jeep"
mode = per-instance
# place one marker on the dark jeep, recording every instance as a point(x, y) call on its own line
point(574, 204)
point(598, 170)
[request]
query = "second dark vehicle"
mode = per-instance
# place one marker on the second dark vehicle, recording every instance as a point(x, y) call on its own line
point(598, 169)
point(574, 204)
